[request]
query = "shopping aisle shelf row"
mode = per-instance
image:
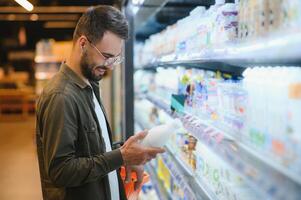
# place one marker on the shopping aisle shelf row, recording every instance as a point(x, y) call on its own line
point(162, 104)
point(179, 171)
point(232, 80)
point(234, 58)
point(160, 190)
point(263, 175)
point(194, 185)
point(196, 181)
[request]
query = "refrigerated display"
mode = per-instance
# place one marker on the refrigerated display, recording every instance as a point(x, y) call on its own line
point(231, 74)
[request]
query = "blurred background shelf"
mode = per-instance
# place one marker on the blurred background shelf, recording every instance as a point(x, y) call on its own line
point(48, 59)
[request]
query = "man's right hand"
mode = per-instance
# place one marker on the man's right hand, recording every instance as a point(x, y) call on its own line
point(133, 153)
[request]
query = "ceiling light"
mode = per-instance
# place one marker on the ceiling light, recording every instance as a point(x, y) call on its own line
point(25, 4)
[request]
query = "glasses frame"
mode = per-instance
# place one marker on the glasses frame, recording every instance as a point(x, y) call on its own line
point(108, 62)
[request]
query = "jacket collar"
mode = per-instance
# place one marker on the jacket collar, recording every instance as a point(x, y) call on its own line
point(73, 76)
point(65, 69)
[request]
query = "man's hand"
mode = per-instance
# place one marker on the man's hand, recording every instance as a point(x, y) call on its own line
point(133, 153)
point(139, 169)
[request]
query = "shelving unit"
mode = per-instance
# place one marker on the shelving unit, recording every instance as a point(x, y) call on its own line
point(45, 68)
point(161, 191)
point(48, 59)
point(196, 183)
point(225, 134)
point(236, 57)
point(234, 152)
point(258, 170)
point(179, 174)
point(183, 172)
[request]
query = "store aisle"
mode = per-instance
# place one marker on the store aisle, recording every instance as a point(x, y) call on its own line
point(19, 173)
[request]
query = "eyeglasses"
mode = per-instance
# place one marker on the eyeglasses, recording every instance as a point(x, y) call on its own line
point(109, 62)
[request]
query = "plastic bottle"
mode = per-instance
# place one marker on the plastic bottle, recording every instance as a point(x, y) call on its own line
point(225, 24)
point(194, 21)
point(212, 14)
point(290, 18)
point(159, 135)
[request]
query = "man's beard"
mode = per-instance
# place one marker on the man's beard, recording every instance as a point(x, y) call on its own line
point(87, 69)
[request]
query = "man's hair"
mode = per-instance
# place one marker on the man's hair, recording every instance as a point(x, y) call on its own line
point(100, 19)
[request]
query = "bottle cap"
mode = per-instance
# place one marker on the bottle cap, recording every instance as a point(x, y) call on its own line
point(218, 2)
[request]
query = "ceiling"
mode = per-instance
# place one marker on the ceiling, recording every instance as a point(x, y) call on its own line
point(49, 19)
point(57, 18)
point(58, 2)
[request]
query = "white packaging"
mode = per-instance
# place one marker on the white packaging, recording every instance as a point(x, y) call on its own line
point(159, 135)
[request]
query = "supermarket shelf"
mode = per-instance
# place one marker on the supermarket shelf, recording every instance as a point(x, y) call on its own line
point(189, 180)
point(183, 180)
point(230, 137)
point(238, 155)
point(48, 59)
point(178, 160)
point(206, 63)
point(196, 183)
point(44, 75)
point(158, 185)
point(234, 58)
point(267, 161)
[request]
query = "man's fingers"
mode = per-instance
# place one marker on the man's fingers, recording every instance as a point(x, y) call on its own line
point(137, 137)
point(155, 150)
point(141, 135)
point(128, 173)
point(139, 174)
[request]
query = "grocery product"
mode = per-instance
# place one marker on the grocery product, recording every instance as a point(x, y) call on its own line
point(159, 135)
point(272, 123)
point(265, 18)
point(223, 180)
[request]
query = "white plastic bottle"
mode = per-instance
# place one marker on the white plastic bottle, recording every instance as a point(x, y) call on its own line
point(159, 135)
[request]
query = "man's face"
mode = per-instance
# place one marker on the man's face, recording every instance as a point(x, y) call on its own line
point(94, 56)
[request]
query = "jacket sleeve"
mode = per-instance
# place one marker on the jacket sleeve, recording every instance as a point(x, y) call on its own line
point(58, 121)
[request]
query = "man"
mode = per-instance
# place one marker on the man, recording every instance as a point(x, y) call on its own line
point(73, 135)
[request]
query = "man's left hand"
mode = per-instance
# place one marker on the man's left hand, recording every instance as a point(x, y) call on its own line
point(139, 169)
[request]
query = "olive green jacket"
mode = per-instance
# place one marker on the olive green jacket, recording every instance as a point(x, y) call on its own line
point(71, 150)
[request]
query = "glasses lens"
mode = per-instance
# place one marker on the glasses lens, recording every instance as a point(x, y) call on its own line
point(113, 61)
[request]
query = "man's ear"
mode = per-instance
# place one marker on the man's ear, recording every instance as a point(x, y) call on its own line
point(82, 42)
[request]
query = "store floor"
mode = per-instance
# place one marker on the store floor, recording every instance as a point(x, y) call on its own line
point(19, 172)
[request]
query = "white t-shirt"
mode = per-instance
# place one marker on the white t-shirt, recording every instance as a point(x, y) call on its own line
point(113, 180)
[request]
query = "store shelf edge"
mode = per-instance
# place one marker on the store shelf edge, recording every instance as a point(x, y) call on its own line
point(195, 181)
point(160, 190)
point(276, 51)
